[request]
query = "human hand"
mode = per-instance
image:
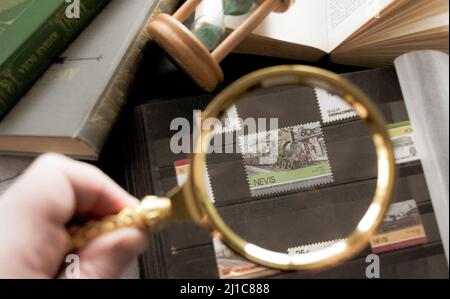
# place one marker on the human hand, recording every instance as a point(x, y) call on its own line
point(34, 212)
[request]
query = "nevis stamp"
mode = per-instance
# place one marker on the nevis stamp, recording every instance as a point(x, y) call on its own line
point(286, 159)
point(231, 265)
point(401, 227)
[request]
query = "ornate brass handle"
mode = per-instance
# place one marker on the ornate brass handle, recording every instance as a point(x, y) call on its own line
point(146, 216)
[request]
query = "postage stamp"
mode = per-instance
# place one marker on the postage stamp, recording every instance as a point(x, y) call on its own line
point(309, 248)
point(230, 121)
point(402, 227)
point(286, 159)
point(401, 135)
point(231, 265)
point(332, 108)
point(182, 173)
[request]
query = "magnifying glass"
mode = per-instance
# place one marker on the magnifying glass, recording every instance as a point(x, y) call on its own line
point(286, 156)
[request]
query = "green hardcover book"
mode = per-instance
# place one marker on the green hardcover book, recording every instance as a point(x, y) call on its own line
point(32, 34)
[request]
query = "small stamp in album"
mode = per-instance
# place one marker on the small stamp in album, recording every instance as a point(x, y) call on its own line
point(182, 173)
point(286, 159)
point(401, 135)
point(231, 265)
point(230, 121)
point(402, 227)
point(333, 108)
point(309, 248)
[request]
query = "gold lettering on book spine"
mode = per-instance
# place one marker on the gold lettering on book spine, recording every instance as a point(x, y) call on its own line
point(10, 75)
point(27, 66)
point(8, 82)
point(115, 95)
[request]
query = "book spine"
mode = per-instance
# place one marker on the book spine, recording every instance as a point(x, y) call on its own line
point(36, 54)
point(97, 125)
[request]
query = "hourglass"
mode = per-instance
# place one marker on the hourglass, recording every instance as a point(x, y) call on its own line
point(199, 52)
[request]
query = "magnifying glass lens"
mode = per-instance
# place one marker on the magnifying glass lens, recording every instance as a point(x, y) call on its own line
point(289, 168)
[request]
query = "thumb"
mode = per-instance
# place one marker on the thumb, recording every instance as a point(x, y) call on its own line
point(107, 256)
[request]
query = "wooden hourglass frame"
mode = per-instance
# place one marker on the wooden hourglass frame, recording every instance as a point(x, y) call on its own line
point(190, 54)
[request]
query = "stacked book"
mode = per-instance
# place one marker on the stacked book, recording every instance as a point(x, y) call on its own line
point(62, 91)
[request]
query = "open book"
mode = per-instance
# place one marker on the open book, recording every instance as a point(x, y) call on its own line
point(355, 32)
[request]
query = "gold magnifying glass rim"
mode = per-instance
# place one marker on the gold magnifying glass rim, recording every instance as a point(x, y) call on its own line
point(366, 110)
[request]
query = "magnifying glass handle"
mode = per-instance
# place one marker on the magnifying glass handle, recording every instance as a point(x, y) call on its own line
point(147, 216)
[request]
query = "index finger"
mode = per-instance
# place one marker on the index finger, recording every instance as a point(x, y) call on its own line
point(67, 188)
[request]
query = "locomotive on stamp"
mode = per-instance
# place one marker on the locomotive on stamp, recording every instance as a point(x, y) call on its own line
point(286, 159)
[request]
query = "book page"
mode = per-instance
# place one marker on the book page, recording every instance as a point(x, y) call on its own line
point(424, 77)
point(305, 23)
point(347, 16)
